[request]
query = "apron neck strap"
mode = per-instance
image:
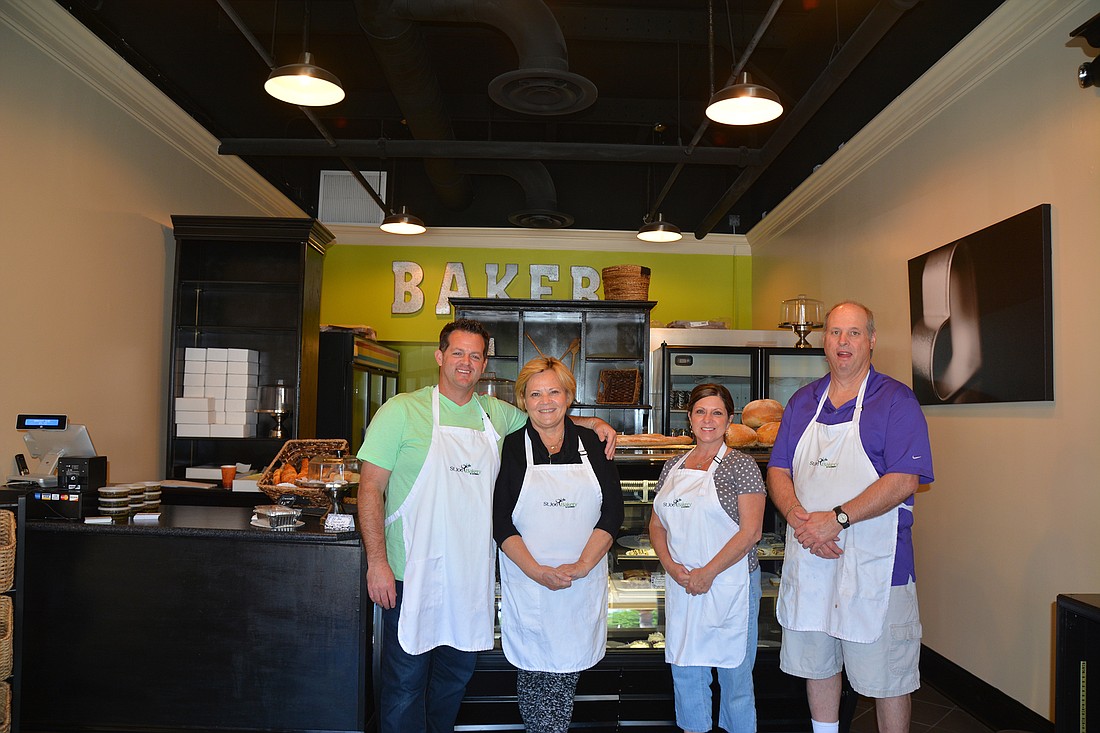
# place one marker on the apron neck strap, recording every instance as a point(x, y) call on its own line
point(859, 398)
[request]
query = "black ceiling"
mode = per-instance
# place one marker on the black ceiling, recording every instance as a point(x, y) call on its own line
point(834, 63)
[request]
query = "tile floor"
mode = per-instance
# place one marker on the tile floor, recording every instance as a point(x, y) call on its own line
point(932, 713)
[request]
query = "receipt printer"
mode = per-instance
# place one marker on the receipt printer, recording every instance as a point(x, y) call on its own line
point(76, 494)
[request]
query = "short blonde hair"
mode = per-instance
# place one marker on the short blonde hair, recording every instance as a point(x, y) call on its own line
point(541, 364)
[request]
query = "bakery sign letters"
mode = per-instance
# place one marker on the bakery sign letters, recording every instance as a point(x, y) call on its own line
point(408, 278)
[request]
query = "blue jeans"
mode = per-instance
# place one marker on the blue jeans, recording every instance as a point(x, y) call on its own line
point(737, 711)
point(420, 692)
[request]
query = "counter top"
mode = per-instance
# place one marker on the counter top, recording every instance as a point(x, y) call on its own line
point(204, 521)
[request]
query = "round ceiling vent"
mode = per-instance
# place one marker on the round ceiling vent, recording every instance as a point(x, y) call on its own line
point(542, 91)
point(540, 219)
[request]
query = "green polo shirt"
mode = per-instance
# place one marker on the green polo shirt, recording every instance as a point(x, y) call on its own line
point(398, 439)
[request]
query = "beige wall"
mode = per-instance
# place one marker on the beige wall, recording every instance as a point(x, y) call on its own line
point(1010, 521)
point(86, 193)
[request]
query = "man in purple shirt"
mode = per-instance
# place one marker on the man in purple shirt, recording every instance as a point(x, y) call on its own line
point(850, 453)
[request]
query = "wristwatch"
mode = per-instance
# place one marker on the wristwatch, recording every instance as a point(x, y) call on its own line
point(842, 517)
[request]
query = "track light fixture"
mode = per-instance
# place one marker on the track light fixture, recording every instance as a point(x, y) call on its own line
point(744, 103)
point(402, 223)
point(304, 83)
point(659, 230)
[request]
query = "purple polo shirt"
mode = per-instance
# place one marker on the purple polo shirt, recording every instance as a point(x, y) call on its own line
point(894, 435)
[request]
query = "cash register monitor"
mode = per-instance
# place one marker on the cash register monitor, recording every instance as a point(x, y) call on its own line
point(50, 438)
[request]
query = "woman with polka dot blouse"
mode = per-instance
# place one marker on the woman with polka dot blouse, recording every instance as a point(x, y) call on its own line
point(706, 521)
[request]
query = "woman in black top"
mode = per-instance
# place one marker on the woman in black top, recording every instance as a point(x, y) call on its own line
point(556, 511)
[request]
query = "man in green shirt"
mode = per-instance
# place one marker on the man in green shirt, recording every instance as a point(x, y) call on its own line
point(430, 459)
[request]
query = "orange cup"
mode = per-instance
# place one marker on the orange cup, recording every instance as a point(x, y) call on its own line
point(228, 474)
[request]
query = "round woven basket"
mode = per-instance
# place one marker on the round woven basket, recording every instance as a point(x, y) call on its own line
point(626, 282)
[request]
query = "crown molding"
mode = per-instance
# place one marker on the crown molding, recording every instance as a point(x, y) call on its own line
point(584, 240)
point(47, 26)
point(994, 43)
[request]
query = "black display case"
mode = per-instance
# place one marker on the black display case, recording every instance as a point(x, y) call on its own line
point(355, 377)
point(1077, 654)
point(247, 283)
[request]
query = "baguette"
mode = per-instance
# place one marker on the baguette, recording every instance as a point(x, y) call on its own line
point(649, 440)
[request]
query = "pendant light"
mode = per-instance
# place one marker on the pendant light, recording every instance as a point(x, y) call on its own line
point(304, 83)
point(659, 230)
point(403, 223)
point(744, 103)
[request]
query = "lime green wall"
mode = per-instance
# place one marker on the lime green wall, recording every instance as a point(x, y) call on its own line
point(358, 284)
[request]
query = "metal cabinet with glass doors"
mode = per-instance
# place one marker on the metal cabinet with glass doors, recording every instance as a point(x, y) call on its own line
point(356, 375)
point(749, 372)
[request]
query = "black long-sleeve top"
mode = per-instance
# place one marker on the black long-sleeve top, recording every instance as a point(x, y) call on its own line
point(513, 468)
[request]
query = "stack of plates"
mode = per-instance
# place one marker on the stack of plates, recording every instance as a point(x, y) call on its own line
point(137, 497)
point(114, 501)
point(151, 495)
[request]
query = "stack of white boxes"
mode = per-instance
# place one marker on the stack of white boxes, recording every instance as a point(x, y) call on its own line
point(220, 387)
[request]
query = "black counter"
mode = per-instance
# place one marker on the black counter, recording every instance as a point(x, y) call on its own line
point(199, 621)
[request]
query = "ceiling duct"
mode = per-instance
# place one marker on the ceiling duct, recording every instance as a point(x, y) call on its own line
point(543, 84)
point(538, 189)
point(401, 52)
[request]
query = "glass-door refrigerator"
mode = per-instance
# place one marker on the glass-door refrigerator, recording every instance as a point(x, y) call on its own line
point(355, 376)
point(785, 369)
point(683, 367)
point(748, 372)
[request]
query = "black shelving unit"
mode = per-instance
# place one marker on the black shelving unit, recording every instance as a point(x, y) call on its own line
point(609, 336)
point(248, 283)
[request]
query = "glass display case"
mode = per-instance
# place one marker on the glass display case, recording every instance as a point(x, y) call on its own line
point(631, 687)
point(636, 593)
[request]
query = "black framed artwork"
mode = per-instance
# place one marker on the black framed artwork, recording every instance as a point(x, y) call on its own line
point(980, 311)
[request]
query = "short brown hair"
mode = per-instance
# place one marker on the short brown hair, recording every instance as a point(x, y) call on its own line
point(711, 390)
point(469, 325)
point(541, 364)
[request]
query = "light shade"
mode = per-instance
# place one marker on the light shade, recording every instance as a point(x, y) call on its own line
point(659, 230)
point(744, 103)
point(403, 223)
point(304, 84)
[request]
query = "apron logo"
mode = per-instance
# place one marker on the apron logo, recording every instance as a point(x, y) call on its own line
point(677, 504)
point(465, 468)
point(824, 463)
point(561, 504)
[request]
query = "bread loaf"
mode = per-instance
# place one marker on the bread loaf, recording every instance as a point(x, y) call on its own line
point(758, 412)
point(765, 434)
point(650, 440)
point(740, 436)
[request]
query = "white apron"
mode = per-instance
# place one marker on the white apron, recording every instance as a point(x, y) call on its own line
point(448, 588)
point(847, 597)
point(547, 630)
point(710, 630)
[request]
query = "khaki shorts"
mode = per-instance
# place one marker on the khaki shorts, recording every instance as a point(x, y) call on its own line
point(886, 667)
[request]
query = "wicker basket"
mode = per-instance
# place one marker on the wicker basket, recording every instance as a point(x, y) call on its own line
point(293, 451)
point(7, 550)
point(626, 282)
point(6, 629)
point(619, 387)
point(5, 707)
